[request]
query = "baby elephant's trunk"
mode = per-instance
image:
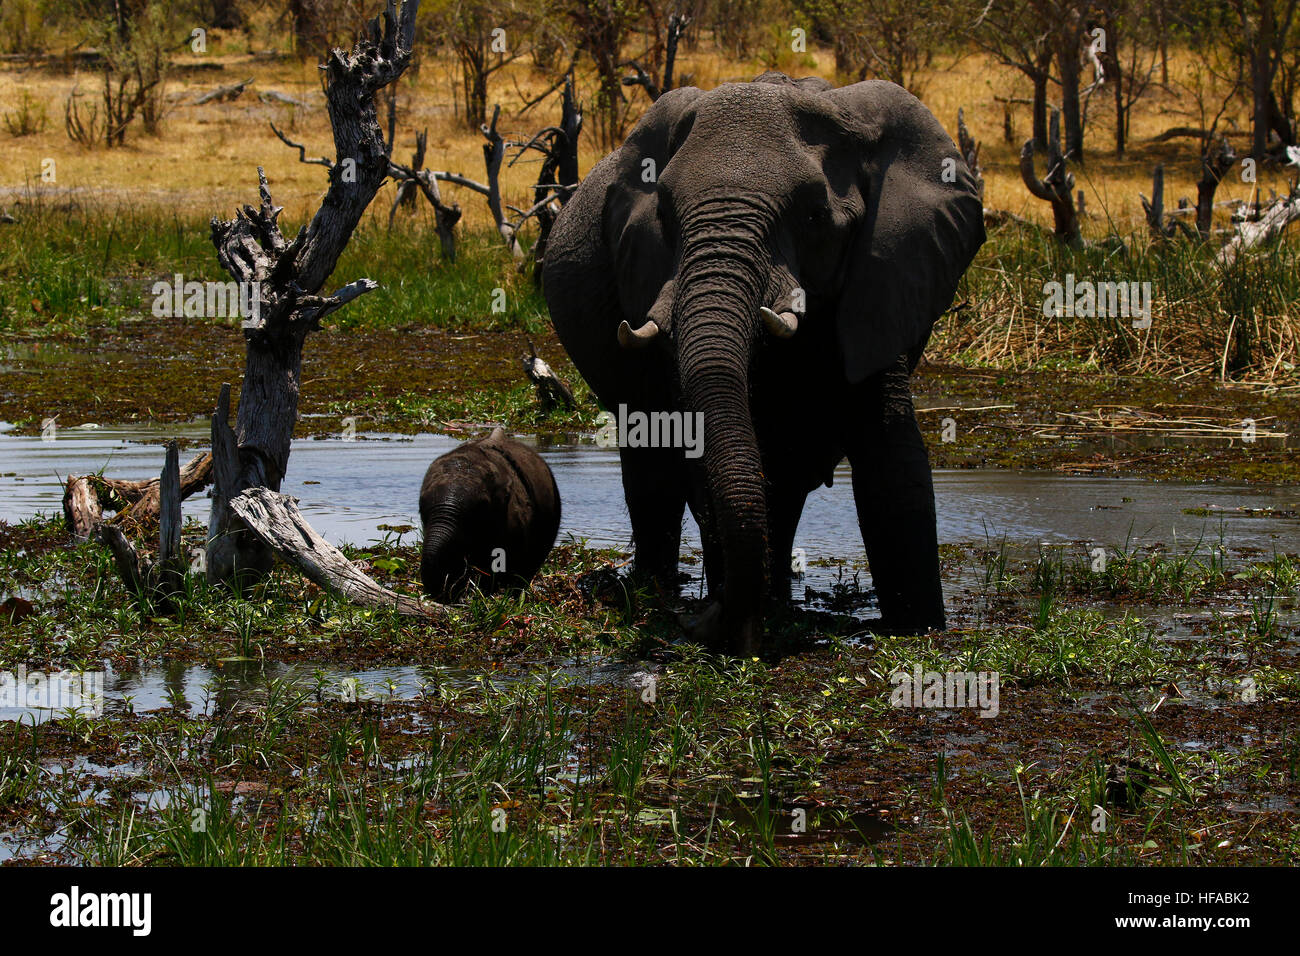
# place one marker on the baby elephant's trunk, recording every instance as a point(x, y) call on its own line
point(490, 511)
point(444, 568)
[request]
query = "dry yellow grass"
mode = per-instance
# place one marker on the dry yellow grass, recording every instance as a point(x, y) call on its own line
point(203, 162)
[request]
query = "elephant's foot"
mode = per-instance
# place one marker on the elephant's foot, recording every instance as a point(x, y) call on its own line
point(665, 580)
point(711, 628)
point(706, 627)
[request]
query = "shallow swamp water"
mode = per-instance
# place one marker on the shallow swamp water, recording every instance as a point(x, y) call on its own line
point(363, 490)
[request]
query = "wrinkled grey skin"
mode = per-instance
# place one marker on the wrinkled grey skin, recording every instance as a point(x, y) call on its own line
point(763, 188)
point(481, 496)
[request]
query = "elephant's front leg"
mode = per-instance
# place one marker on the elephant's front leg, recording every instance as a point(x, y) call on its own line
point(786, 497)
point(654, 484)
point(894, 494)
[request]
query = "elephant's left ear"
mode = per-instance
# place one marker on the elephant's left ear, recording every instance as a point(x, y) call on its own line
point(923, 224)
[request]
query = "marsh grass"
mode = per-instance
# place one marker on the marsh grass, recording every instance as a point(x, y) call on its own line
point(66, 271)
point(1238, 322)
point(530, 763)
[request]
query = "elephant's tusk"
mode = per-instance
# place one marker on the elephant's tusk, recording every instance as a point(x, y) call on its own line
point(782, 326)
point(631, 338)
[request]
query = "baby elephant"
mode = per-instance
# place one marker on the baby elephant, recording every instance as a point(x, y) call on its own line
point(490, 511)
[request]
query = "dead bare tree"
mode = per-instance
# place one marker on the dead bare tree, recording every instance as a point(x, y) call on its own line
point(415, 178)
point(677, 24)
point(289, 275)
point(1056, 187)
point(559, 173)
point(411, 177)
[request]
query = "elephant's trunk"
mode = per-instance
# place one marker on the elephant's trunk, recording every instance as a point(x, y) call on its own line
point(442, 561)
point(723, 273)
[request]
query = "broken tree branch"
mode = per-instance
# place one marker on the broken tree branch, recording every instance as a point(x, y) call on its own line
point(86, 497)
point(276, 520)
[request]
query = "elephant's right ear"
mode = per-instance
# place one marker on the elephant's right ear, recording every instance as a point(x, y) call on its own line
point(632, 225)
point(923, 224)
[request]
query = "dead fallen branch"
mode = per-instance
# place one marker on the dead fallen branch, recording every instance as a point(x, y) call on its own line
point(551, 390)
point(225, 94)
point(1280, 214)
point(87, 497)
point(276, 520)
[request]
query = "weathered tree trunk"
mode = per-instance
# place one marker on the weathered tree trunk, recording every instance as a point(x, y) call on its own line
point(1155, 208)
point(1068, 65)
point(1261, 84)
point(1115, 70)
point(155, 583)
point(289, 275)
point(1040, 110)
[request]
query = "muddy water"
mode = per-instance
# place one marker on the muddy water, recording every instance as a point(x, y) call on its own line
point(348, 489)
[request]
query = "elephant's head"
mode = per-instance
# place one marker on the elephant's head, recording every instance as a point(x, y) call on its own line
point(751, 210)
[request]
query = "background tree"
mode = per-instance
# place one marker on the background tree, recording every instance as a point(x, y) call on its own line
point(1020, 36)
point(1264, 28)
point(485, 35)
point(602, 29)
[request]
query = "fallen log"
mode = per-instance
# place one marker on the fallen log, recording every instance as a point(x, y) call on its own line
point(551, 390)
point(1280, 214)
point(1191, 132)
point(276, 520)
point(225, 94)
point(86, 497)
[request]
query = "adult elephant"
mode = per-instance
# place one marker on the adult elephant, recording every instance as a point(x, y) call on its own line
point(771, 255)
